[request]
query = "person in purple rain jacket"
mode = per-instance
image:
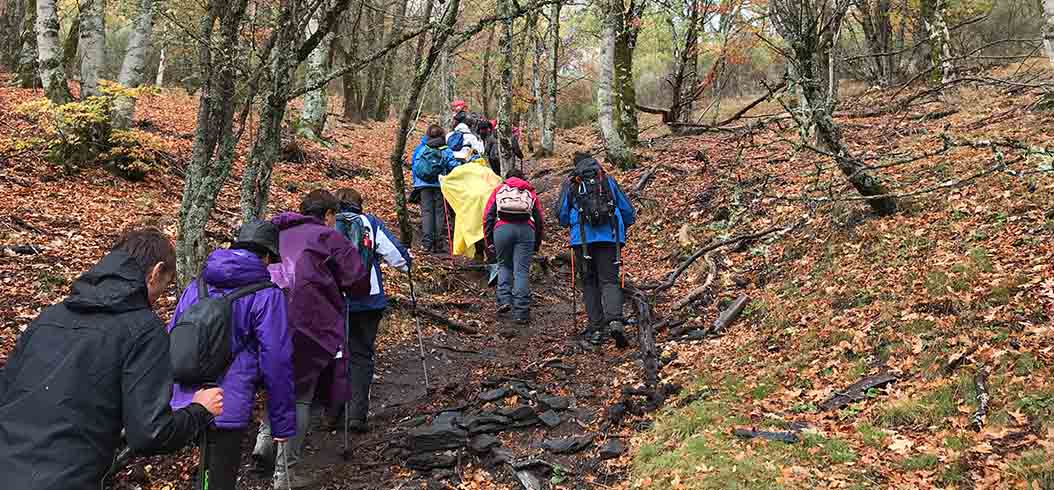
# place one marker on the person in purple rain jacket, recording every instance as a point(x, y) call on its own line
point(318, 267)
point(262, 344)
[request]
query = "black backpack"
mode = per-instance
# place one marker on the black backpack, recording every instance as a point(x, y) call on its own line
point(200, 342)
point(591, 195)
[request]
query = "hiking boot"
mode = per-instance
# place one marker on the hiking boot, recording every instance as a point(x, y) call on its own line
point(596, 337)
point(522, 320)
point(291, 479)
point(618, 332)
point(358, 426)
point(504, 310)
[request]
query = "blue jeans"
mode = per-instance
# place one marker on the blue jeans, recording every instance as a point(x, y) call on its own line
point(514, 245)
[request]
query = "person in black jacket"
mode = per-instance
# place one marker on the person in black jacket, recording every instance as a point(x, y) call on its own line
point(91, 365)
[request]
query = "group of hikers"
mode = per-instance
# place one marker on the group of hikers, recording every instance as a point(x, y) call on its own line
point(292, 306)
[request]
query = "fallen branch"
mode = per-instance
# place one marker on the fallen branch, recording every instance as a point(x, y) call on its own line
point(645, 178)
point(436, 316)
point(857, 391)
point(696, 293)
point(729, 315)
point(788, 437)
point(957, 361)
point(672, 278)
point(981, 414)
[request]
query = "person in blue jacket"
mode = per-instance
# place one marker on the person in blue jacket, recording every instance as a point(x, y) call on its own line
point(365, 312)
point(433, 219)
point(597, 247)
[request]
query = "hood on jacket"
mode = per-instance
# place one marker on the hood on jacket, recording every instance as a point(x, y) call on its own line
point(289, 219)
point(462, 128)
point(228, 269)
point(519, 183)
point(437, 142)
point(586, 165)
point(116, 284)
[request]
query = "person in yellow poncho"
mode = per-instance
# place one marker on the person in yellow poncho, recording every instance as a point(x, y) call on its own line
point(467, 188)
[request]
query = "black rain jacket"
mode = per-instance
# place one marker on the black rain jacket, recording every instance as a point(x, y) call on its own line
point(83, 370)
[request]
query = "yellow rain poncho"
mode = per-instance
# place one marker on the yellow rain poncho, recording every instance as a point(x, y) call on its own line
point(467, 188)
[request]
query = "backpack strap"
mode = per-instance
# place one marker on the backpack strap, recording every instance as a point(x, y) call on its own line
point(247, 290)
point(203, 289)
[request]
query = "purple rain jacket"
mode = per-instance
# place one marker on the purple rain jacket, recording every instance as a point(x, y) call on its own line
point(318, 267)
point(262, 339)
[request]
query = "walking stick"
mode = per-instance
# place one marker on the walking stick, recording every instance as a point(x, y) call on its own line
point(347, 378)
point(574, 292)
point(449, 241)
point(203, 465)
point(417, 323)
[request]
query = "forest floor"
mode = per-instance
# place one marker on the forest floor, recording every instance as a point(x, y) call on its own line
point(956, 287)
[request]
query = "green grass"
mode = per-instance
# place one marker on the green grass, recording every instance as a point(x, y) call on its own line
point(920, 462)
point(1035, 466)
point(872, 436)
point(930, 409)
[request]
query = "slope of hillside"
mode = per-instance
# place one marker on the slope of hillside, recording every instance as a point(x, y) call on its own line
point(957, 284)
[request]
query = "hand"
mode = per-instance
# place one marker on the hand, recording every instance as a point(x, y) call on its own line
point(211, 399)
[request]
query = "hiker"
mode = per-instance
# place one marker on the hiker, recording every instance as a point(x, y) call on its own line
point(465, 144)
point(319, 266)
point(514, 228)
point(493, 144)
point(375, 243)
point(457, 106)
point(262, 347)
point(91, 365)
point(597, 213)
point(431, 159)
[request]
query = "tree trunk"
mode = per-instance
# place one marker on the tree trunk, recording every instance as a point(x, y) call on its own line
point(93, 46)
point(214, 140)
point(160, 80)
point(70, 47)
point(485, 88)
point(937, 33)
point(1048, 29)
point(349, 42)
point(791, 19)
point(538, 104)
point(313, 116)
point(133, 68)
point(878, 32)
point(28, 72)
point(49, 58)
point(505, 97)
point(423, 70)
point(618, 151)
point(374, 38)
point(11, 16)
point(427, 16)
point(685, 76)
point(518, 89)
point(549, 128)
point(384, 100)
point(447, 86)
point(627, 28)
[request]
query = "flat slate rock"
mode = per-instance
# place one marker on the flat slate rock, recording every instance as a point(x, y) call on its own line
point(431, 461)
point(484, 423)
point(550, 418)
point(528, 480)
point(519, 412)
point(567, 445)
point(496, 457)
point(612, 449)
point(483, 443)
point(436, 438)
point(557, 403)
point(494, 395)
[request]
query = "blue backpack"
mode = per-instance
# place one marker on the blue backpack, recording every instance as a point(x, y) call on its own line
point(429, 164)
point(456, 141)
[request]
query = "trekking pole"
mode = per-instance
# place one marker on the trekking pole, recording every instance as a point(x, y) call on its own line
point(203, 465)
point(417, 323)
point(449, 240)
point(284, 449)
point(574, 293)
point(347, 379)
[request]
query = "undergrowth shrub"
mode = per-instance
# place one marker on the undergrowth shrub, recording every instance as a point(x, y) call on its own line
point(80, 135)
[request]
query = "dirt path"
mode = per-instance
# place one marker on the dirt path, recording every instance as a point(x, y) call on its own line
point(546, 357)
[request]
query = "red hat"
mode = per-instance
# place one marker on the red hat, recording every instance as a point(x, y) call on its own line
point(494, 123)
point(458, 105)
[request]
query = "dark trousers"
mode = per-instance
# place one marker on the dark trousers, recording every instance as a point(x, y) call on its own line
point(599, 279)
point(433, 219)
point(362, 338)
point(224, 457)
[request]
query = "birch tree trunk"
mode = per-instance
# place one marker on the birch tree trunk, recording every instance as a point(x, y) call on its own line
point(505, 97)
point(133, 68)
point(937, 33)
point(313, 116)
point(485, 88)
point(549, 127)
point(384, 100)
point(214, 140)
point(536, 89)
point(49, 56)
point(447, 86)
point(626, 30)
point(618, 152)
point(1048, 29)
point(92, 45)
point(160, 80)
point(28, 73)
point(422, 72)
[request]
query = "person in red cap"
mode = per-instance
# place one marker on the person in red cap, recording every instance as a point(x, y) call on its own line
point(457, 107)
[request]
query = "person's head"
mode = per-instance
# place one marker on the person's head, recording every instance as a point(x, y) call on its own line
point(321, 204)
point(435, 131)
point(515, 172)
point(350, 200)
point(152, 249)
point(579, 156)
point(460, 117)
point(260, 238)
point(458, 106)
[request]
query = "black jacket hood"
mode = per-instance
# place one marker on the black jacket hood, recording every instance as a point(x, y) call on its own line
point(588, 165)
point(436, 142)
point(116, 284)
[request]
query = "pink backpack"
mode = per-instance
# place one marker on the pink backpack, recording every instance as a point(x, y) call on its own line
point(511, 200)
